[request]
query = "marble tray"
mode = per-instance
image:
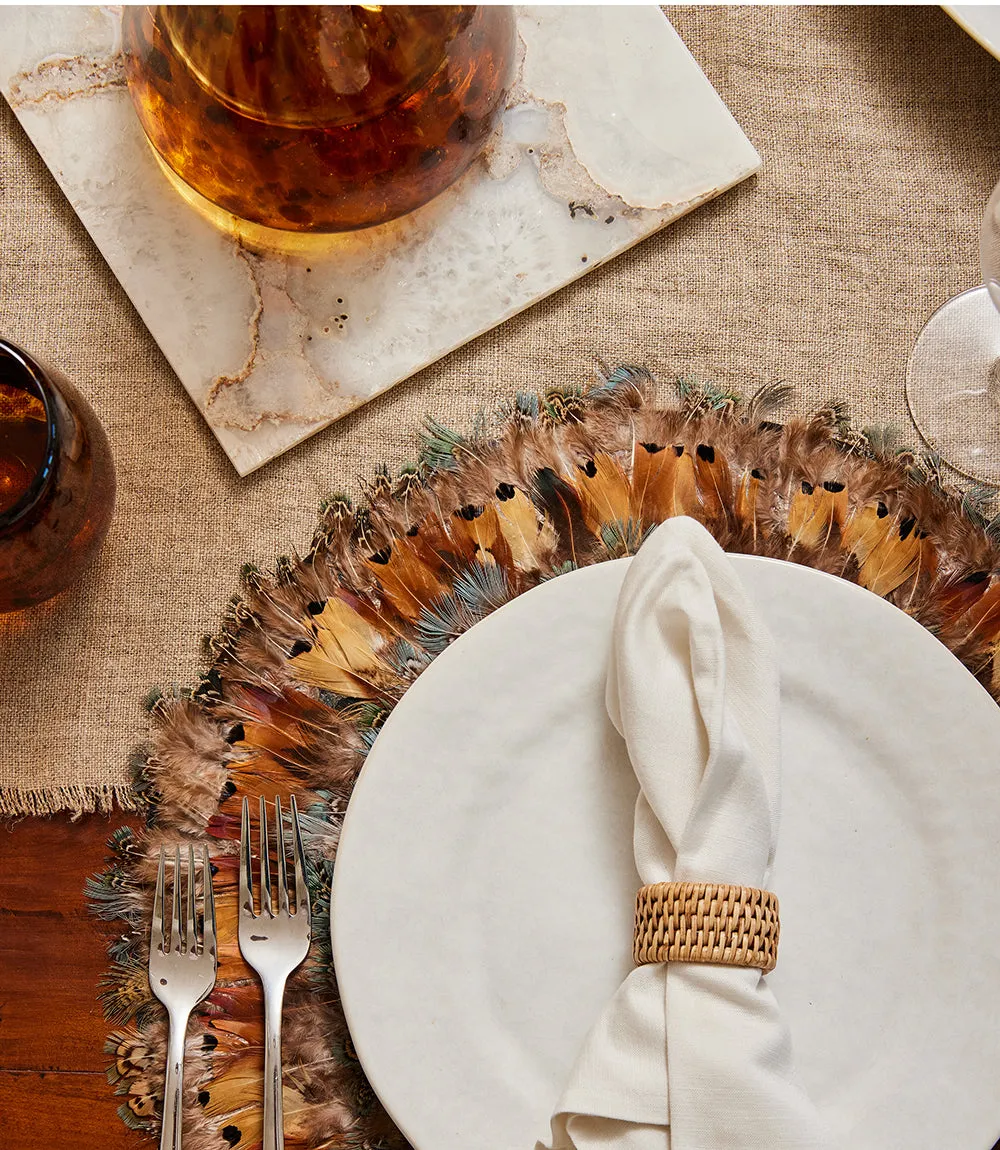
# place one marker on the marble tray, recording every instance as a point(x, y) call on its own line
point(611, 132)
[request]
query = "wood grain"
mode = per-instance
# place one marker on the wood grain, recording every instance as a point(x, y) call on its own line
point(53, 1088)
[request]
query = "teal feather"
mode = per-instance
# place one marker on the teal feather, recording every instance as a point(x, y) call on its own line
point(483, 587)
point(444, 620)
point(766, 400)
point(210, 685)
point(122, 838)
point(336, 499)
point(112, 895)
point(124, 992)
point(478, 590)
point(360, 712)
point(314, 823)
point(623, 538)
point(321, 954)
point(562, 569)
point(884, 440)
point(624, 377)
point(134, 1122)
point(405, 659)
point(154, 696)
point(979, 504)
point(440, 446)
point(526, 405)
point(565, 404)
point(926, 469)
point(123, 948)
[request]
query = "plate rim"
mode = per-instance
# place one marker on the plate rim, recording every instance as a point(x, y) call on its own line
point(959, 13)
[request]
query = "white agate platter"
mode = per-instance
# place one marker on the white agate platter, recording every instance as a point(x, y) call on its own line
point(611, 132)
point(484, 884)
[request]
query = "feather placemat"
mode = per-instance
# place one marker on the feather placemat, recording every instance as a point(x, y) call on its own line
point(313, 656)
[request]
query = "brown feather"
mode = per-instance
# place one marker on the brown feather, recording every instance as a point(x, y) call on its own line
point(188, 767)
point(548, 489)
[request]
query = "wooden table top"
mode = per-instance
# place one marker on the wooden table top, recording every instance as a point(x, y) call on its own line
point(53, 1086)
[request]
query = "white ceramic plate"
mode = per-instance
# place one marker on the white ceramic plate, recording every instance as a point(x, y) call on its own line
point(484, 883)
point(981, 21)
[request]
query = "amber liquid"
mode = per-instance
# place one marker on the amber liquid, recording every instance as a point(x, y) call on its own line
point(57, 481)
point(24, 437)
point(318, 119)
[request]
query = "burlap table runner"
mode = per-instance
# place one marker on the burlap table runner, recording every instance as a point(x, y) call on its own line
point(880, 134)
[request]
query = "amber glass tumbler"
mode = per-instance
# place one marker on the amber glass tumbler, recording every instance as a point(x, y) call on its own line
point(318, 119)
point(57, 481)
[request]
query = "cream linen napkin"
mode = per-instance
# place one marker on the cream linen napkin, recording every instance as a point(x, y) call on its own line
point(689, 1056)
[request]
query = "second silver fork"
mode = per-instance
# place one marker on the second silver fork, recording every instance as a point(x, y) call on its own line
point(274, 943)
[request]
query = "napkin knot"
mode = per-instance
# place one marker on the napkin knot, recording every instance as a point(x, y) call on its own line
point(706, 922)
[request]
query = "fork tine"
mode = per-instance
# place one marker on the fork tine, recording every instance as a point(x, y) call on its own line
point(282, 864)
point(301, 889)
point(190, 935)
point(156, 929)
point(246, 888)
point(208, 929)
point(265, 863)
point(175, 914)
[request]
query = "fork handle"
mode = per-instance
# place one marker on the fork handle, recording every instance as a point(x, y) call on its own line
point(173, 1111)
point(274, 1119)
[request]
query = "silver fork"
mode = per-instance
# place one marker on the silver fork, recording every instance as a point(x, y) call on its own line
point(274, 944)
point(181, 974)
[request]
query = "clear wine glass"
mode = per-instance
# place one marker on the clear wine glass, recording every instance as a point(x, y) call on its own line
point(953, 377)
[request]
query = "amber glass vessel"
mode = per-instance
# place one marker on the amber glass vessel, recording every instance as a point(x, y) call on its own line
point(318, 119)
point(57, 481)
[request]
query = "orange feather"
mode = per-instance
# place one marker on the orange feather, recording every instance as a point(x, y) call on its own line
point(603, 489)
point(896, 557)
point(480, 525)
point(747, 503)
point(982, 620)
point(864, 529)
point(816, 514)
point(343, 656)
point(955, 599)
point(409, 582)
point(715, 481)
point(529, 534)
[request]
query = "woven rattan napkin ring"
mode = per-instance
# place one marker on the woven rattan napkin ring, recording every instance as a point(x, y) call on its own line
point(706, 922)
